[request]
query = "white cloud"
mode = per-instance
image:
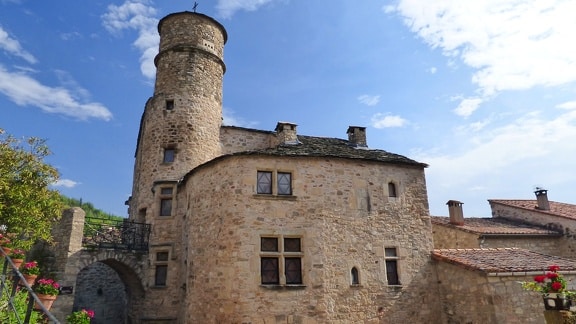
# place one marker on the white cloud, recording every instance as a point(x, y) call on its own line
point(432, 70)
point(24, 90)
point(567, 105)
point(66, 183)
point(12, 46)
point(467, 106)
point(380, 120)
point(502, 152)
point(139, 16)
point(369, 100)
point(512, 45)
point(227, 8)
point(230, 119)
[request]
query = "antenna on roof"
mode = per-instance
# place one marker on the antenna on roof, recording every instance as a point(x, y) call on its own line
point(195, 6)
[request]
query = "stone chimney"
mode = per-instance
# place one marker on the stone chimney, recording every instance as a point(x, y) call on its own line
point(542, 198)
point(455, 212)
point(357, 136)
point(286, 133)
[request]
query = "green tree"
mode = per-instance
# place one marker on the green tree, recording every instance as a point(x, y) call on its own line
point(28, 207)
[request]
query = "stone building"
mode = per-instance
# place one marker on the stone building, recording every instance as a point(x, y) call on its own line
point(254, 226)
point(261, 226)
point(480, 261)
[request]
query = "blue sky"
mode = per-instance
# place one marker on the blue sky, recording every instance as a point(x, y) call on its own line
point(482, 91)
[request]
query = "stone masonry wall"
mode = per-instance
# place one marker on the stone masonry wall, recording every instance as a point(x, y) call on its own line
point(450, 238)
point(342, 213)
point(545, 245)
point(565, 246)
point(474, 297)
point(235, 140)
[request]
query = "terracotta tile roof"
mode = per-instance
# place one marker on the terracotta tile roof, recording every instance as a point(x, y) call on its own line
point(501, 260)
point(556, 208)
point(496, 226)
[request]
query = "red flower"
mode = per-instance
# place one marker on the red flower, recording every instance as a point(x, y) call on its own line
point(540, 278)
point(551, 275)
point(554, 268)
point(556, 286)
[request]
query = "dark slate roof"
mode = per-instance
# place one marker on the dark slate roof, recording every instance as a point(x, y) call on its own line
point(496, 226)
point(502, 260)
point(556, 208)
point(333, 147)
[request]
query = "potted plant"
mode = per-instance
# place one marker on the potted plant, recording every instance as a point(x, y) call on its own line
point(30, 271)
point(17, 256)
point(4, 243)
point(80, 317)
point(552, 286)
point(47, 291)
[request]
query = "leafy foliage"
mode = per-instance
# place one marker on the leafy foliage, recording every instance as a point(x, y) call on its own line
point(89, 209)
point(28, 207)
point(20, 302)
point(80, 317)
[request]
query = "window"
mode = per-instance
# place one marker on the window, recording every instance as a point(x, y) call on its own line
point(169, 155)
point(169, 104)
point(161, 272)
point(284, 183)
point(391, 189)
point(166, 202)
point(265, 181)
point(354, 275)
point(281, 253)
point(391, 259)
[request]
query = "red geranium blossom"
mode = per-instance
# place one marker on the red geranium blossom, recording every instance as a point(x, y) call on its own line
point(540, 278)
point(556, 286)
point(551, 275)
point(554, 268)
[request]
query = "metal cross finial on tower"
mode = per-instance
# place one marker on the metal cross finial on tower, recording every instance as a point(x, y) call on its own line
point(195, 6)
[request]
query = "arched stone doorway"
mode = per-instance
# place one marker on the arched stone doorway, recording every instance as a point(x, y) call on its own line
point(110, 288)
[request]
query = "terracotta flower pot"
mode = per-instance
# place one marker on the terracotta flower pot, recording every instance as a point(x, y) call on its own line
point(47, 301)
point(17, 262)
point(30, 279)
point(6, 250)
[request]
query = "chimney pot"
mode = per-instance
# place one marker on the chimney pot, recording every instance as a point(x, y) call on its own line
point(286, 133)
point(357, 136)
point(455, 212)
point(542, 199)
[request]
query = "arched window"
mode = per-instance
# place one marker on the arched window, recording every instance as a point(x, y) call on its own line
point(391, 189)
point(355, 276)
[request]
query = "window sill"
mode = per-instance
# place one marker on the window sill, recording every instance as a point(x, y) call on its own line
point(395, 287)
point(159, 287)
point(274, 197)
point(283, 287)
point(356, 286)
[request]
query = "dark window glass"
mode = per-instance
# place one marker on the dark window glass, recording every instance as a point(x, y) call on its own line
point(169, 104)
point(390, 252)
point(161, 275)
point(391, 189)
point(169, 154)
point(269, 271)
point(284, 183)
point(269, 244)
point(162, 256)
point(293, 271)
point(264, 182)
point(166, 191)
point(392, 272)
point(166, 207)
point(355, 278)
point(291, 245)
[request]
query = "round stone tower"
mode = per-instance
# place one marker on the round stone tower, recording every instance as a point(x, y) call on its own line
point(180, 127)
